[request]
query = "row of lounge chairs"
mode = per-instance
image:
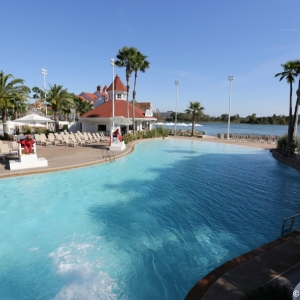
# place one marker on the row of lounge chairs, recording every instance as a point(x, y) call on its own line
point(250, 137)
point(70, 139)
point(181, 132)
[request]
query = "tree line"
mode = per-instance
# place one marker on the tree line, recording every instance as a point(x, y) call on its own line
point(251, 119)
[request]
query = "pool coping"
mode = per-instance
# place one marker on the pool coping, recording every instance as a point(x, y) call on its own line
point(199, 290)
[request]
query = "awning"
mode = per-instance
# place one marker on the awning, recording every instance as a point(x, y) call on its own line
point(120, 120)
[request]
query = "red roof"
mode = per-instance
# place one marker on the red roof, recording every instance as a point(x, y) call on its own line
point(105, 110)
point(118, 85)
point(90, 95)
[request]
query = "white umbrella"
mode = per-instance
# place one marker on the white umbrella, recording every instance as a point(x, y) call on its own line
point(33, 118)
point(170, 124)
point(182, 124)
point(198, 125)
point(158, 123)
point(37, 125)
point(13, 123)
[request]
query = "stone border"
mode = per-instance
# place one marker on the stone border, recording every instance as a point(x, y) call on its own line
point(69, 167)
point(203, 285)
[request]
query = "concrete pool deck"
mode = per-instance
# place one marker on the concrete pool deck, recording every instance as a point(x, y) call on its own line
point(280, 258)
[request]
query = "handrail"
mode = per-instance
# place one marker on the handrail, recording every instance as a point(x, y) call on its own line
point(108, 154)
point(292, 226)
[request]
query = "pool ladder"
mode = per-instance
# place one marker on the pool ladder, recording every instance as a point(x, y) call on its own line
point(108, 154)
point(290, 224)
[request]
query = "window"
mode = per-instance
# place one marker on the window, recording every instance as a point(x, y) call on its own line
point(119, 96)
point(101, 127)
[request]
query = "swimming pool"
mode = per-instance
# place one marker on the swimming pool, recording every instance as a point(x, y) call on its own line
point(147, 226)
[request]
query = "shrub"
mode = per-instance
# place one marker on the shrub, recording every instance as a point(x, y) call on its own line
point(282, 145)
point(128, 137)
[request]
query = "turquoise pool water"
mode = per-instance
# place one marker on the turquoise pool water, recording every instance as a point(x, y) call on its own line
point(147, 226)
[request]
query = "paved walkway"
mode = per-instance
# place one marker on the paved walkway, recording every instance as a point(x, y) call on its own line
point(279, 259)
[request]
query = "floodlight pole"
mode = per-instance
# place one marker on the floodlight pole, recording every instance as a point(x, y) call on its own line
point(112, 63)
point(177, 82)
point(230, 78)
point(44, 72)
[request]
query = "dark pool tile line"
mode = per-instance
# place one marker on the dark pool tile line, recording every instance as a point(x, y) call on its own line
point(202, 286)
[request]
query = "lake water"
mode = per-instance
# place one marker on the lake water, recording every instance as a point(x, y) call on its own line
point(215, 128)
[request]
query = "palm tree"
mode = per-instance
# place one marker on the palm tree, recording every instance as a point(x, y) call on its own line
point(289, 73)
point(126, 57)
point(59, 99)
point(295, 119)
point(81, 106)
point(11, 90)
point(139, 64)
point(196, 110)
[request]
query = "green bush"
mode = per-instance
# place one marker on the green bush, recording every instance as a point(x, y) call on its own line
point(127, 138)
point(282, 145)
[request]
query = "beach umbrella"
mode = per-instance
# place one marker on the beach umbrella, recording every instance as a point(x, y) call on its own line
point(33, 118)
point(182, 124)
point(159, 123)
point(198, 125)
point(37, 125)
point(170, 124)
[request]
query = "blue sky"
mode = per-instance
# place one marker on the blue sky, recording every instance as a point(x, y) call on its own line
point(199, 42)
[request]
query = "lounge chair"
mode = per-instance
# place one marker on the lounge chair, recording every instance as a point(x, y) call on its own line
point(95, 137)
point(68, 141)
point(73, 139)
point(91, 137)
point(102, 136)
point(59, 137)
point(4, 151)
point(37, 139)
point(79, 139)
point(52, 139)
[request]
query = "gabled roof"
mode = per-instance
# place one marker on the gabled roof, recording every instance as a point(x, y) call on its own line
point(99, 94)
point(105, 110)
point(89, 96)
point(118, 85)
point(143, 105)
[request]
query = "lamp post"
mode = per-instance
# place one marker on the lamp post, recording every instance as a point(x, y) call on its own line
point(230, 78)
point(44, 73)
point(177, 82)
point(112, 63)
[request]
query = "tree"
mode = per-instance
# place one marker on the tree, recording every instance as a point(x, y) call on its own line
point(126, 57)
point(81, 106)
point(11, 90)
point(139, 64)
point(59, 99)
point(289, 73)
point(196, 110)
point(295, 118)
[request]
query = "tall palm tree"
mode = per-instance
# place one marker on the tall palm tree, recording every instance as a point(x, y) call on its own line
point(11, 90)
point(139, 64)
point(196, 110)
point(59, 99)
point(295, 118)
point(126, 57)
point(289, 73)
point(81, 106)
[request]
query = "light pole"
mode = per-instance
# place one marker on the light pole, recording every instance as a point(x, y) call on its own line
point(112, 63)
point(177, 82)
point(44, 72)
point(230, 78)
